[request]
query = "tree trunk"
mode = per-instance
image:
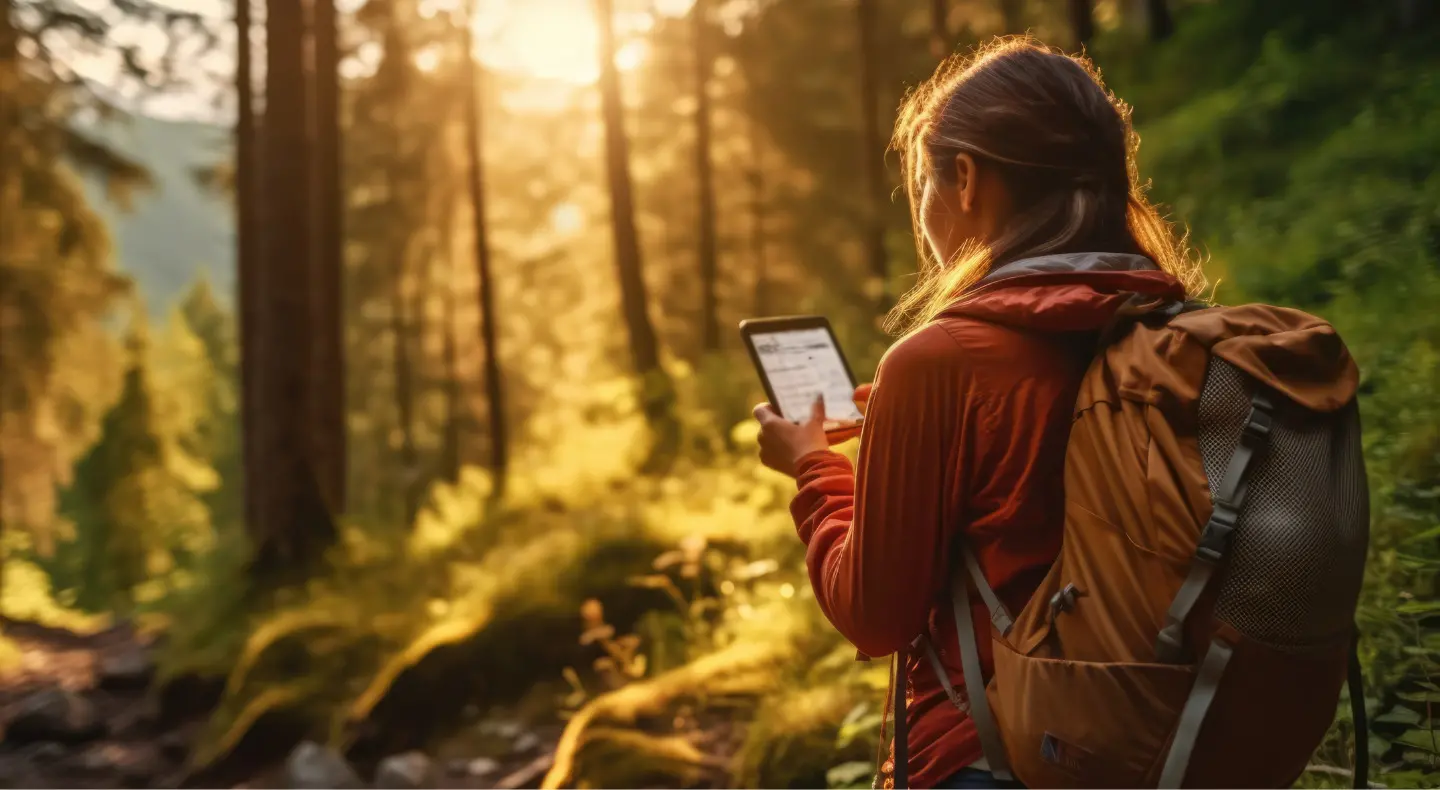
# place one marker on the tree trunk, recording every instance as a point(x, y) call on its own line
point(1082, 21)
point(705, 181)
point(450, 457)
point(9, 70)
point(403, 377)
point(294, 493)
point(657, 392)
point(758, 241)
point(872, 152)
point(1159, 20)
point(1011, 16)
point(327, 402)
point(394, 73)
point(489, 340)
point(247, 243)
point(410, 367)
point(940, 44)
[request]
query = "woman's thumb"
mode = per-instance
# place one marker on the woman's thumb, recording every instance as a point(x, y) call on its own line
point(817, 411)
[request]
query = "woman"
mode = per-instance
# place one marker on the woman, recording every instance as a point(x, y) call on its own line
point(1020, 172)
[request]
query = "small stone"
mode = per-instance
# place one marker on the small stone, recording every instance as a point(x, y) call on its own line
point(174, 745)
point(131, 669)
point(54, 715)
point(408, 771)
point(481, 766)
point(45, 751)
point(526, 743)
point(96, 760)
point(311, 766)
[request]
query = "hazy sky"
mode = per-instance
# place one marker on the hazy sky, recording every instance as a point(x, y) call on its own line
point(554, 41)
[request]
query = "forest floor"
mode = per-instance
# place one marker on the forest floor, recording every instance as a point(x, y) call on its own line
point(77, 712)
point(80, 711)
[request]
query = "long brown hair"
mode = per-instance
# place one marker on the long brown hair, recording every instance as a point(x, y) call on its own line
point(1064, 147)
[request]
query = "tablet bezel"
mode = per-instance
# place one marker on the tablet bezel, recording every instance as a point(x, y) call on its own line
point(758, 326)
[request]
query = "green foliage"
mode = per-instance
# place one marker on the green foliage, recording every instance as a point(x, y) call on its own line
point(134, 504)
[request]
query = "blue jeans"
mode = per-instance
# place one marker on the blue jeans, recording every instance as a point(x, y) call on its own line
point(975, 779)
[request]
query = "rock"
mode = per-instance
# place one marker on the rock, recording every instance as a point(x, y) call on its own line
point(139, 719)
point(134, 763)
point(480, 766)
point(313, 767)
point(509, 730)
point(54, 715)
point(408, 771)
point(131, 669)
point(175, 745)
point(526, 743)
point(45, 751)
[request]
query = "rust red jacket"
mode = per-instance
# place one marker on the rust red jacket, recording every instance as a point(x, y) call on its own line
point(964, 435)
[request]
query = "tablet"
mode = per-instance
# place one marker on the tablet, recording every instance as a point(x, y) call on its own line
point(798, 358)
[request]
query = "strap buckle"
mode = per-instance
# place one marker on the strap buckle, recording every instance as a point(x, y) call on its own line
point(1064, 601)
point(1260, 422)
point(1215, 537)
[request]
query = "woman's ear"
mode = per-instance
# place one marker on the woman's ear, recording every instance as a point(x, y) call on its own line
point(966, 183)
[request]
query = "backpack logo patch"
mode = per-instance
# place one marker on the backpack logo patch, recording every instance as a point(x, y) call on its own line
point(1062, 754)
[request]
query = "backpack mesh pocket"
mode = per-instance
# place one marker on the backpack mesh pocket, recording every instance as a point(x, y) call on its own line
point(1298, 551)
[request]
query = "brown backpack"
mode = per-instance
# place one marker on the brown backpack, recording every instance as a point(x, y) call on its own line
point(1197, 625)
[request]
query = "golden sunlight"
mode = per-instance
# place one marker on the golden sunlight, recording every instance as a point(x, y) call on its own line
point(558, 40)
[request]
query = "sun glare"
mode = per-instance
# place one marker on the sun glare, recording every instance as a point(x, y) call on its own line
point(558, 40)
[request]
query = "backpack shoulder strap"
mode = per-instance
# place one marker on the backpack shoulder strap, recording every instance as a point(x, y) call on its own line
point(1214, 542)
point(974, 703)
point(1358, 721)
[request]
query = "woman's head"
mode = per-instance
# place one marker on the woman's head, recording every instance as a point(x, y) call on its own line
point(1019, 151)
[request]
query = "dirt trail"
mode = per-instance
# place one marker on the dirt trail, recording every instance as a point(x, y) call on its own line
point(77, 712)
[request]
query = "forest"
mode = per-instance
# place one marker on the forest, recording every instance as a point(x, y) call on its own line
point(458, 485)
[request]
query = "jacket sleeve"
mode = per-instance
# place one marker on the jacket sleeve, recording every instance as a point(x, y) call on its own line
point(877, 536)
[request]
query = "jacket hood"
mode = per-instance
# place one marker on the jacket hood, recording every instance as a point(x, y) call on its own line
point(1073, 292)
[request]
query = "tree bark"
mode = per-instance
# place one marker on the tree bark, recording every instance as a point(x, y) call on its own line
point(9, 70)
point(705, 180)
point(489, 340)
point(1159, 20)
point(295, 510)
point(758, 241)
point(247, 243)
point(393, 72)
point(1082, 21)
point(940, 43)
point(450, 457)
point(327, 402)
point(872, 151)
point(406, 324)
point(657, 393)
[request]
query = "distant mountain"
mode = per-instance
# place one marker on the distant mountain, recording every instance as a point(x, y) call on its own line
point(177, 230)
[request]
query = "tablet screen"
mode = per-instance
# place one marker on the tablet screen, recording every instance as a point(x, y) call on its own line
point(801, 363)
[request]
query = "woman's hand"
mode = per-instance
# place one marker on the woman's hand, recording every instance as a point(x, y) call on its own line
point(783, 443)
